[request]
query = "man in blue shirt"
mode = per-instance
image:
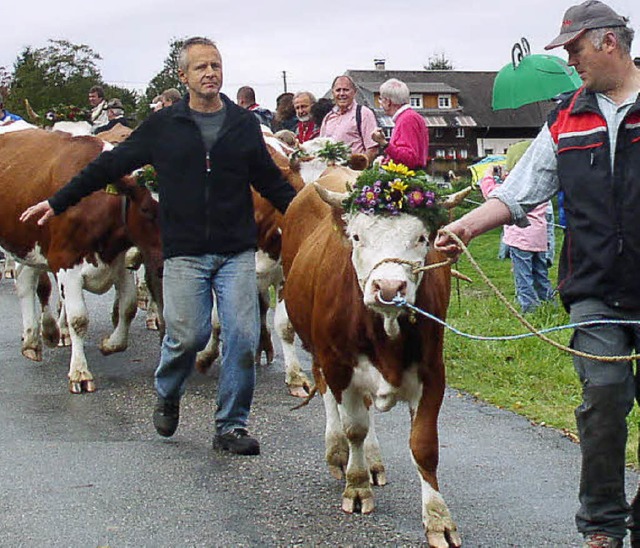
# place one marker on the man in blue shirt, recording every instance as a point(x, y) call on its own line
point(5, 115)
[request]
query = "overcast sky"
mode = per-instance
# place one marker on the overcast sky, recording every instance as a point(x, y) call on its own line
point(312, 41)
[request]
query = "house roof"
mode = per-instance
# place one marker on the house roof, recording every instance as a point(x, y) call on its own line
point(475, 89)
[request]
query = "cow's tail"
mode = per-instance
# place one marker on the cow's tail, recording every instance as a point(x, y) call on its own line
point(306, 401)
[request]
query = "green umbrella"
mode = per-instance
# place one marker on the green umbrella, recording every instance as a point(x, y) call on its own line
point(531, 78)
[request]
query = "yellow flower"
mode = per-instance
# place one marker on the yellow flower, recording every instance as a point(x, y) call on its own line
point(397, 184)
point(400, 169)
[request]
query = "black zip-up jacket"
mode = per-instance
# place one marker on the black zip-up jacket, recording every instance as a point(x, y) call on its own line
point(601, 252)
point(205, 196)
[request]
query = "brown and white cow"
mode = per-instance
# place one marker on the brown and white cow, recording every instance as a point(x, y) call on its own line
point(84, 247)
point(337, 269)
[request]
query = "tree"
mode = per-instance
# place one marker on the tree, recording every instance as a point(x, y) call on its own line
point(438, 61)
point(166, 78)
point(58, 74)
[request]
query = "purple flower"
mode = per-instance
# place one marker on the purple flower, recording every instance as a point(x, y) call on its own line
point(416, 198)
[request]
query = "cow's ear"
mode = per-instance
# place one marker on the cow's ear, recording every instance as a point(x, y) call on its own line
point(334, 199)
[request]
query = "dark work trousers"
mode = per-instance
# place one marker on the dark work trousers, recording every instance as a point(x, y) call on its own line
point(608, 393)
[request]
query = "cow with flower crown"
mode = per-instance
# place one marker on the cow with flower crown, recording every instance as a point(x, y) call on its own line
point(352, 244)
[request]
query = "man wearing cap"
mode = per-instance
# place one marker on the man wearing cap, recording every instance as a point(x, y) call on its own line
point(6, 116)
point(590, 149)
point(115, 114)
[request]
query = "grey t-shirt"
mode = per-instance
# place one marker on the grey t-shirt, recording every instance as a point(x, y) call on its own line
point(210, 124)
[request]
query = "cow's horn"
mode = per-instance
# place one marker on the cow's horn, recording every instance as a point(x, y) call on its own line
point(456, 198)
point(32, 113)
point(334, 199)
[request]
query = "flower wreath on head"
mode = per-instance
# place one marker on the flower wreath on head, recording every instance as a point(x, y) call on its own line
point(391, 189)
point(66, 113)
point(147, 176)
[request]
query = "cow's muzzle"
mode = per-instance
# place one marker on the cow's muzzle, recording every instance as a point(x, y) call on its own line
point(386, 290)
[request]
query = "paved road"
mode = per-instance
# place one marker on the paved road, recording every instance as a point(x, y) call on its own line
point(89, 470)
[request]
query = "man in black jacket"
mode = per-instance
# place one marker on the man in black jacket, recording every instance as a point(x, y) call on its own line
point(207, 153)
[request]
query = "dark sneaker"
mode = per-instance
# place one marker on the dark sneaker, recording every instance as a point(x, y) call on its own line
point(238, 441)
point(166, 416)
point(600, 540)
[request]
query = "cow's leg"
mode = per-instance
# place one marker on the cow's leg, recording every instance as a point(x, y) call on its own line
point(50, 331)
point(335, 440)
point(9, 270)
point(357, 495)
point(298, 383)
point(70, 285)
point(26, 283)
point(124, 309)
point(264, 345)
point(377, 474)
point(205, 358)
point(63, 325)
point(440, 529)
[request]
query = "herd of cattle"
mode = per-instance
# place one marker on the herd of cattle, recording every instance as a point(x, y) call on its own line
point(330, 269)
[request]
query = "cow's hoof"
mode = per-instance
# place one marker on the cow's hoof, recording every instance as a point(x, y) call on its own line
point(299, 391)
point(107, 348)
point(75, 387)
point(448, 539)
point(360, 503)
point(152, 324)
point(32, 354)
point(88, 386)
point(142, 304)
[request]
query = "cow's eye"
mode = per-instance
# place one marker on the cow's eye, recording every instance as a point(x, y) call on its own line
point(422, 239)
point(355, 238)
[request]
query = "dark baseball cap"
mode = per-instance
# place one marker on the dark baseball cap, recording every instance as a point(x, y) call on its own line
point(586, 16)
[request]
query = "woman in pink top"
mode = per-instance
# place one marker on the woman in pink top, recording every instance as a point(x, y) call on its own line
point(528, 251)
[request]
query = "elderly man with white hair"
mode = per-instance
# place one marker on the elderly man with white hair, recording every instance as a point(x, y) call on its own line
point(409, 144)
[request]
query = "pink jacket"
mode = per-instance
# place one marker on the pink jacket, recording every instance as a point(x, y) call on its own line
point(409, 144)
point(530, 238)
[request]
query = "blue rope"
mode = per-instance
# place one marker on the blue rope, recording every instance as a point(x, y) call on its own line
point(401, 302)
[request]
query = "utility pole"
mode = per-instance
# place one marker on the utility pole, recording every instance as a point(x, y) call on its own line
point(284, 80)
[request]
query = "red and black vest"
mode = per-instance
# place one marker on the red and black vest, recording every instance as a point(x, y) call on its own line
point(601, 253)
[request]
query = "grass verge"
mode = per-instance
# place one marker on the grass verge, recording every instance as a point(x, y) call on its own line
point(527, 376)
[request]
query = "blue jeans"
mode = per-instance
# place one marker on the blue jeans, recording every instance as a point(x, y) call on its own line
point(531, 275)
point(188, 287)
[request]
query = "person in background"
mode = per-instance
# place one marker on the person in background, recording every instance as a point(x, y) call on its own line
point(349, 122)
point(207, 153)
point(409, 143)
point(98, 105)
point(170, 97)
point(319, 110)
point(246, 98)
point(6, 117)
point(115, 113)
point(285, 115)
point(527, 246)
point(589, 149)
point(306, 127)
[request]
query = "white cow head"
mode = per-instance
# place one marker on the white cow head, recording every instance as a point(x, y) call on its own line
point(312, 167)
point(386, 251)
